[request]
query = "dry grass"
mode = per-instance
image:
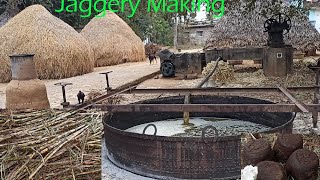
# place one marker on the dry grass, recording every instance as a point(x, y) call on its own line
point(60, 51)
point(236, 29)
point(42, 145)
point(302, 76)
point(224, 73)
point(113, 41)
point(36, 145)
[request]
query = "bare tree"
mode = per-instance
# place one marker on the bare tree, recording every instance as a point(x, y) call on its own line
point(12, 9)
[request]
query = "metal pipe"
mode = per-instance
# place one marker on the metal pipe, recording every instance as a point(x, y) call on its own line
point(64, 94)
point(205, 79)
point(186, 115)
point(107, 79)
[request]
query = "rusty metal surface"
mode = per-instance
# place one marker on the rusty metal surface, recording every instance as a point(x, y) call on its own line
point(182, 157)
point(205, 108)
point(163, 157)
point(216, 91)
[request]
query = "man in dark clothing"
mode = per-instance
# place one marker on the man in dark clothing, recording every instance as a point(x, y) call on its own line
point(80, 96)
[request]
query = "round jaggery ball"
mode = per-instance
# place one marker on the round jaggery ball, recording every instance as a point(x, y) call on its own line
point(257, 151)
point(269, 170)
point(303, 165)
point(285, 145)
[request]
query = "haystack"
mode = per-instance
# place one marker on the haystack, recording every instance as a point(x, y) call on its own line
point(60, 51)
point(242, 28)
point(113, 41)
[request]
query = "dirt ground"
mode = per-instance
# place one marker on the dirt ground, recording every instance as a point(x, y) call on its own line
point(94, 81)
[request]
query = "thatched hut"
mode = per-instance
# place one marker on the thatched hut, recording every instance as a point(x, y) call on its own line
point(60, 51)
point(241, 27)
point(113, 41)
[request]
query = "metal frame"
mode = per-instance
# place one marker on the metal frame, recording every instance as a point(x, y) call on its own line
point(295, 106)
point(130, 88)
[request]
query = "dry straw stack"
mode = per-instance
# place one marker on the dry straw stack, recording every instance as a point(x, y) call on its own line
point(113, 41)
point(60, 51)
point(242, 28)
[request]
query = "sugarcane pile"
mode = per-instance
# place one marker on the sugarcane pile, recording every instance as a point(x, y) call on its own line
point(223, 74)
point(45, 145)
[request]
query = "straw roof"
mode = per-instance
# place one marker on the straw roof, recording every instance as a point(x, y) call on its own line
point(238, 28)
point(113, 41)
point(60, 51)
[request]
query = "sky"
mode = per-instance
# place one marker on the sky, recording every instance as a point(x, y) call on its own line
point(202, 14)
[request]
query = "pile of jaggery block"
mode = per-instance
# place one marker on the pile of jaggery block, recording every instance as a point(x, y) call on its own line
point(286, 159)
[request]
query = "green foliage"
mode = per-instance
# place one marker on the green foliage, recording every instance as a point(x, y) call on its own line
point(159, 26)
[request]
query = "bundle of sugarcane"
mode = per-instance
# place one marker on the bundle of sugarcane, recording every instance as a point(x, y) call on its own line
point(224, 73)
point(45, 145)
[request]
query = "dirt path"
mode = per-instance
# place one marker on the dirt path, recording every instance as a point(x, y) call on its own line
point(121, 74)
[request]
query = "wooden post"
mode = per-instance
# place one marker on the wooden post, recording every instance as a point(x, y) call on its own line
point(316, 100)
point(186, 115)
point(175, 40)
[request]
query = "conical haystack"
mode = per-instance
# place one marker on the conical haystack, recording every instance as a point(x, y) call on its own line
point(113, 41)
point(60, 51)
point(241, 27)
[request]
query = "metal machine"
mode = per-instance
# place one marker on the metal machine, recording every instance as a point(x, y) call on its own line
point(275, 27)
point(276, 58)
point(167, 66)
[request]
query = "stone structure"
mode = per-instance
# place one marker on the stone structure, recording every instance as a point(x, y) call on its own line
point(277, 61)
point(25, 91)
point(194, 35)
point(277, 57)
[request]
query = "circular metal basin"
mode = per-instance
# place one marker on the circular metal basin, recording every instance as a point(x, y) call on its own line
point(183, 157)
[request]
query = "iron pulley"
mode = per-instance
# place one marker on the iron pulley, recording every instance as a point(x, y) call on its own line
point(167, 69)
point(277, 26)
point(279, 21)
